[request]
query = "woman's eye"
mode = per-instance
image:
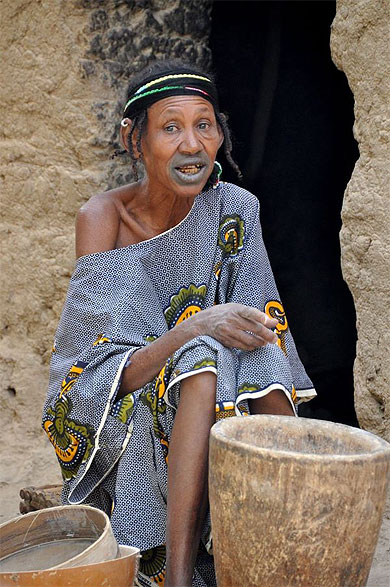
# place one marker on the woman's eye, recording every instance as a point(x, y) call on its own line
point(204, 125)
point(170, 128)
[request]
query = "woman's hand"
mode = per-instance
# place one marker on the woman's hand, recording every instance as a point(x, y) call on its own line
point(236, 325)
point(233, 325)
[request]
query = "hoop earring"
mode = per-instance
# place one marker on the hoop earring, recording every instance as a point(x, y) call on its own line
point(124, 122)
point(218, 173)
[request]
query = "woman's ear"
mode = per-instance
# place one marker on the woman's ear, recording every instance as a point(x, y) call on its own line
point(124, 133)
point(126, 125)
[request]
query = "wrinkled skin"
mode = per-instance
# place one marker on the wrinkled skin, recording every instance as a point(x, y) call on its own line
point(179, 148)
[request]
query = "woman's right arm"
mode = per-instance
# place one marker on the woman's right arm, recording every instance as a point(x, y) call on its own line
point(233, 325)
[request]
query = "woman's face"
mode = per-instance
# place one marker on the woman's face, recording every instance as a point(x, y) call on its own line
point(180, 144)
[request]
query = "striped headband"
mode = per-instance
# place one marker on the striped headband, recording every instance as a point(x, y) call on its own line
point(171, 84)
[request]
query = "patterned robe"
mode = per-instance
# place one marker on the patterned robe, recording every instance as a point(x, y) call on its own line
point(115, 451)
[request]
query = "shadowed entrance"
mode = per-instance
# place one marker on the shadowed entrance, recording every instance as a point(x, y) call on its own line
point(292, 115)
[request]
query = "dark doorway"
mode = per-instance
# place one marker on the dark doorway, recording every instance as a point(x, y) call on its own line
point(291, 112)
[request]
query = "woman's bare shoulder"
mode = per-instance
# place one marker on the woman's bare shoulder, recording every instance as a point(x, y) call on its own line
point(97, 224)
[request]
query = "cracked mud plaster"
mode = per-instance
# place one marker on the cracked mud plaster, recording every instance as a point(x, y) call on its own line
point(360, 48)
point(65, 70)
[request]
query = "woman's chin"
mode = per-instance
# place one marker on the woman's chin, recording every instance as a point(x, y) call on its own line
point(190, 183)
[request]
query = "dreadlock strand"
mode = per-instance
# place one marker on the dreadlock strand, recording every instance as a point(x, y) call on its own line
point(131, 148)
point(228, 146)
point(141, 126)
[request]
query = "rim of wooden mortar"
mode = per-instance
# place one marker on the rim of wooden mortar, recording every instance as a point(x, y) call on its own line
point(372, 447)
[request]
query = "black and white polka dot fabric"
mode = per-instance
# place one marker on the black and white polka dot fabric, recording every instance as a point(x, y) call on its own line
point(121, 300)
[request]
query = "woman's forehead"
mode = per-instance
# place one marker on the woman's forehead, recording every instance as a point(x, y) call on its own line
point(180, 104)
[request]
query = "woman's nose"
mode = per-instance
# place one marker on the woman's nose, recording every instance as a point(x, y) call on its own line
point(190, 142)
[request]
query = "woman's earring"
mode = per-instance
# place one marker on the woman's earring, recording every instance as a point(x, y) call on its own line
point(124, 122)
point(218, 173)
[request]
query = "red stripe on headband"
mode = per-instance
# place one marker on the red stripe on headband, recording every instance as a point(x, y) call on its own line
point(197, 90)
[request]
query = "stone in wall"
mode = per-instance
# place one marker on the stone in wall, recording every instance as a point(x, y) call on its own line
point(64, 76)
point(125, 36)
point(360, 48)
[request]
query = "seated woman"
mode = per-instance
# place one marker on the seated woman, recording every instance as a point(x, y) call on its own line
point(172, 320)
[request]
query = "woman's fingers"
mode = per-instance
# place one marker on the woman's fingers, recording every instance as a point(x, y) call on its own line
point(257, 329)
point(256, 316)
point(259, 324)
point(248, 336)
point(270, 322)
point(236, 325)
point(244, 341)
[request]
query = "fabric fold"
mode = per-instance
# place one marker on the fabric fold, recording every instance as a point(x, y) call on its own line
point(122, 300)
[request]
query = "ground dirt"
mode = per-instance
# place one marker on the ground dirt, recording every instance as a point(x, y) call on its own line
point(44, 474)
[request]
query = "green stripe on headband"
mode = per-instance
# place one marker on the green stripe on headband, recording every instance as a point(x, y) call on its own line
point(134, 98)
point(149, 92)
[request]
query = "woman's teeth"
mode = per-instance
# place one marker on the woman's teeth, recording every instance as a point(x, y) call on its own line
point(189, 169)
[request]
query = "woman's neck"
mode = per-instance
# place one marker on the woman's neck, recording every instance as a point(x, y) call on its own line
point(161, 210)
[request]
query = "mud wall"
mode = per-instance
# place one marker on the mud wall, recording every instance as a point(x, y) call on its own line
point(360, 48)
point(64, 74)
point(65, 70)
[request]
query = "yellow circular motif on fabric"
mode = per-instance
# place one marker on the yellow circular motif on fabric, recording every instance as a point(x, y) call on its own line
point(231, 234)
point(274, 309)
point(187, 313)
point(72, 440)
point(184, 304)
point(160, 383)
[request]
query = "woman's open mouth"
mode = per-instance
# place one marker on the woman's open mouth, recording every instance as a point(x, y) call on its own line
point(190, 173)
point(190, 169)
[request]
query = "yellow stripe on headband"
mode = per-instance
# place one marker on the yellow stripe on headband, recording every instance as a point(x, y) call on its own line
point(173, 76)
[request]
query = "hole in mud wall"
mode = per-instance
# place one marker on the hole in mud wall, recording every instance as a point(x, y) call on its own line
point(11, 391)
point(291, 112)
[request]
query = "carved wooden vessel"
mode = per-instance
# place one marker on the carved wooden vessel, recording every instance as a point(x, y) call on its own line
point(294, 501)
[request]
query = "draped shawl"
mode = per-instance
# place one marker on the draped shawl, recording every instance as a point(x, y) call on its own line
point(121, 300)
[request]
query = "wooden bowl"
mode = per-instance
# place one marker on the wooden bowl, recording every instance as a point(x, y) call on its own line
point(55, 538)
point(119, 572)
